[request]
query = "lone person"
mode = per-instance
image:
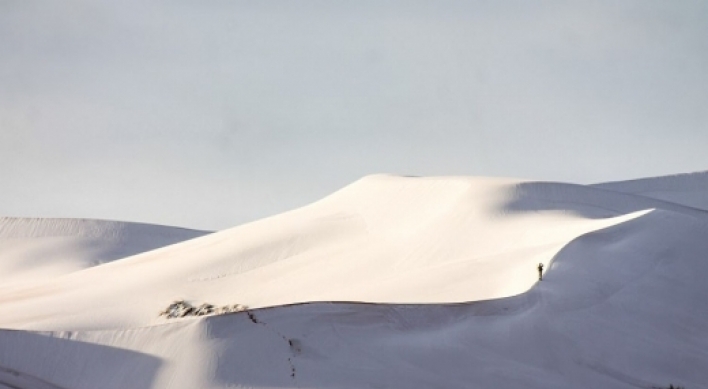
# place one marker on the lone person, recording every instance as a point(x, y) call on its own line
point(540, 272)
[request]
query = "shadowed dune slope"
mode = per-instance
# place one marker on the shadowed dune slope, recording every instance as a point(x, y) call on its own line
point(382, 239)
point(35, 250)
point(689, 189)
point(453, 259)
point(620, 307)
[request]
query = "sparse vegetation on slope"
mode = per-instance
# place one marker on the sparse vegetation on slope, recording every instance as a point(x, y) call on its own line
point(181, 308)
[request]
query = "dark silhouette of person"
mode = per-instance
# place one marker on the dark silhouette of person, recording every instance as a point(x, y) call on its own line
point(540, 272)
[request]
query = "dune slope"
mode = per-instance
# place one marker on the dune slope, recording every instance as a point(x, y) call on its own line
point(34, 250)
point(689, 189)
point(621, 305)
point(382, 239)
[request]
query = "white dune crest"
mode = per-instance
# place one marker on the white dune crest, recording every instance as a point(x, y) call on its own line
point(383, 239)
point(388, 282)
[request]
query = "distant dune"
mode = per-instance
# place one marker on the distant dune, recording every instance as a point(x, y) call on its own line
point(35, 250)
point(686, 189)
point(401, 282)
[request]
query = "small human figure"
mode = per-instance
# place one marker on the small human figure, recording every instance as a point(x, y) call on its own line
point(540, 272)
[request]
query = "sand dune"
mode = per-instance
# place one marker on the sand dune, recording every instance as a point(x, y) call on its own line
point(686, 189)
point(383, 239)
point(34, 250)
point(393, 282)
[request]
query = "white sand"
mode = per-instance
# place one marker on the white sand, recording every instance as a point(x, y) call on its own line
point(38, 250)
point(620, 305)
point(687, 189)
point(382, 239)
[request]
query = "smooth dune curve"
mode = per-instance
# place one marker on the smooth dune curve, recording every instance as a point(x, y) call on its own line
point(37, 250)
point(383, 239)
point(621, 304)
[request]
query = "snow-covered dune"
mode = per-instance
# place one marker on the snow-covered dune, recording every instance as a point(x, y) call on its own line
point(383, 239)
point(620, 309)
point(392, 282)
point(689, 189)
point(34, 250)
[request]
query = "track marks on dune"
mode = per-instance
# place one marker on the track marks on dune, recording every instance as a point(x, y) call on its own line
point(293, 344)
point(18, 380)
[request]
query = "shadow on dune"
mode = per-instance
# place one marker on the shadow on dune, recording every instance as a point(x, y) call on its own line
point(617, 309)
point(10, 378)
point(586, 201)
point(35, 358)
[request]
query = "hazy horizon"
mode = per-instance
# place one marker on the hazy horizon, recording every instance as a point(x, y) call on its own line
point(211, 115)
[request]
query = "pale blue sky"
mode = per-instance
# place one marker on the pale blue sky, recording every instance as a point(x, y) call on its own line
point(208, 115)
